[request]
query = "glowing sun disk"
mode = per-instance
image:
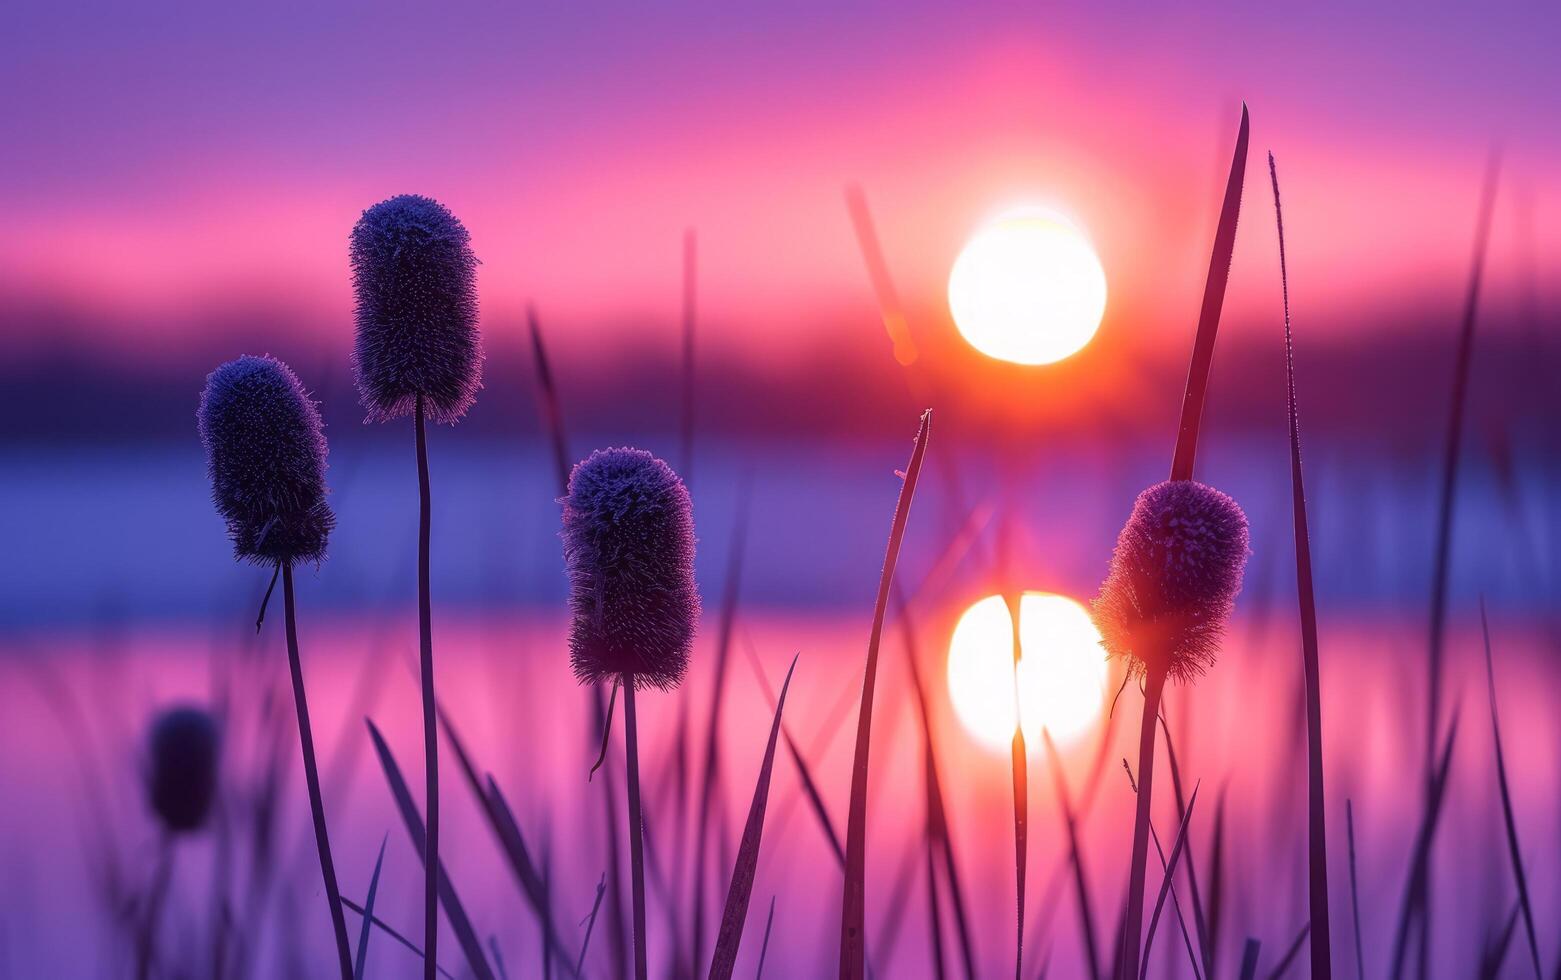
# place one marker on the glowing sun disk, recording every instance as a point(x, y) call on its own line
point(1062, 669)
point(1027, 288)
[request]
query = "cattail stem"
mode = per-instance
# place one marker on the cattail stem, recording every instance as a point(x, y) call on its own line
point(631, 746)
point(312, 777)
point(430, 732)
point(1132, 931)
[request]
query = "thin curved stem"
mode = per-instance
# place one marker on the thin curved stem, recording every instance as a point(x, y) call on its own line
point(1132, 931)
point(312, 778)
point(430, 731)
point(631, 745)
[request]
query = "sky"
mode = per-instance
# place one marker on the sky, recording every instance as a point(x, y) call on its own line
point(166, 166)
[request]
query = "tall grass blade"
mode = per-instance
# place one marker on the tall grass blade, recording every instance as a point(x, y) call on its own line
point(1217, 883)
point(501, 819)
point(1360, 956)
point(1249, 959)
point(1177, 846)
point(460, 924)
point(741, 889)
point(590, 923)
point(1450, 457)
point(890, 308)
point(708, 796)
point(1076, 858)
point(809, 785)
point(1415, 885)
point(1495, 952)
point(1206, 950)
point(1317, 826)
point(1019, 767)
point(853, 941)
point(547, 394)
point(1290, 954)
point(1506, 802)
point(937, 822)
point(389, 930)
point(1209, 314)
point(764, 947)
point(360, 962)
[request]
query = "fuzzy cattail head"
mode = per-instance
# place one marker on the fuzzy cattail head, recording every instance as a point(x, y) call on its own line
point(1173, 580)
point(182, 767)
point(265, 452)
point(629, 551)
point(416, 283)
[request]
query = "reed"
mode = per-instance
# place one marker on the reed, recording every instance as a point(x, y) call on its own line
point(1316, 813)
point(265, 452)
point(417, 353)
point(1168, 625)
point(628, 533)
point(853, 940)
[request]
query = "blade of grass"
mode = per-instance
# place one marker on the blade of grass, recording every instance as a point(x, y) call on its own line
point(1205, 949)
point(547, 392)
point(389, 930)
point(1290, 954)
point(1216, 880)
point(1513, 849)
point(1415, 884)
point(1209, 314)
point(498, 957)
point(1177, 847)
point(708, 796)
point(1076, 857)
point(460, 924)
point(937, 818)
point(853, 945)
point(764, 947)
point(1450, 457)
point(361, 961)
point(1317, 825)
point(809, 785)
point(736, 913)
point(1249, 958)
point(1495, 952)
point(1349, 826)
point(889, 305)
point(501, 820)
point(590, 923)
point(1019, 768)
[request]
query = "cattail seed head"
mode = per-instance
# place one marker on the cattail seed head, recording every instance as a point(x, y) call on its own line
point(182, 777)
point(1173, 580)
point(265, 453)
point(415, 279)
point(629, 551)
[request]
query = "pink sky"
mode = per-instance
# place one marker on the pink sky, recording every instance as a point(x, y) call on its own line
point(177, 167)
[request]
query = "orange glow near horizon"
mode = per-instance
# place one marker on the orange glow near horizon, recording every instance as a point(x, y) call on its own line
point(1062, 669)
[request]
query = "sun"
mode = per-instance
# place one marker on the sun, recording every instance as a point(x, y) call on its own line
point(1062, 669)
point(1027, 288)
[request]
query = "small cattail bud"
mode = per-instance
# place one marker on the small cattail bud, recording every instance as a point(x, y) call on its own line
point(182, 779)
point(1173, 579)
point(415, 278)
point(629, 551)
point(265, 452)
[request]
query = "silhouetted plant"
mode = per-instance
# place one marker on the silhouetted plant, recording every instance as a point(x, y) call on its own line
point(265, 449)
point(417, 352)
point(628, 531)
point(181, 778)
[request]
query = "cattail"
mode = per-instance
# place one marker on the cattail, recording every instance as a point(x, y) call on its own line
point(265, 452)
point(181, 780)
point(415, 279)
point(265, 449)
point(417, 353)
point(1173, 580)
point(629, 551)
